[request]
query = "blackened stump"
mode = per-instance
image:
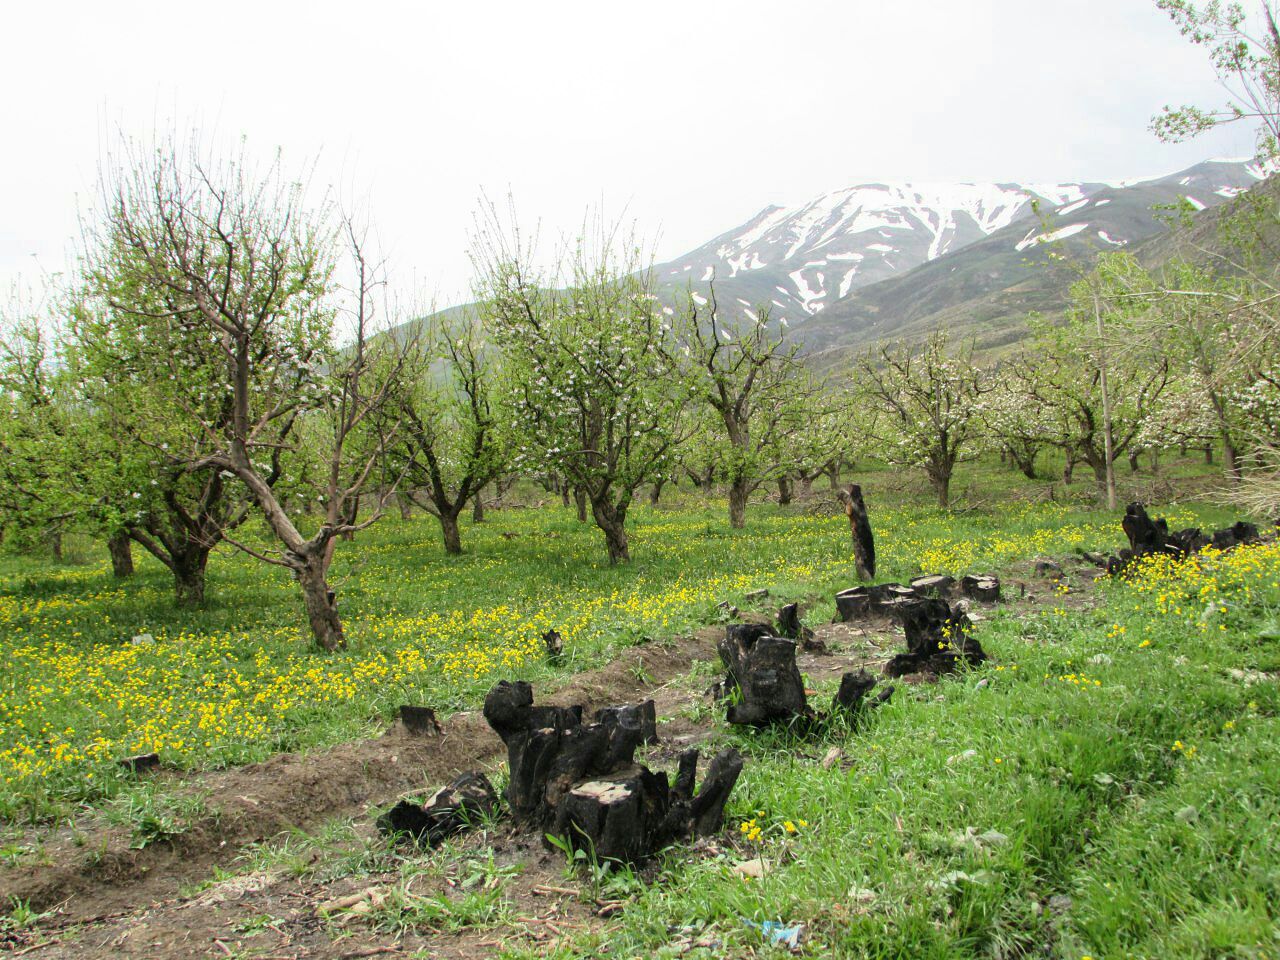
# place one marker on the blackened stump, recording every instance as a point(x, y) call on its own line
point(852, 695)
point(450, 810)
point(579, 781)
point(864, 546)
point(982, 587)
point(933, 585)
point(938, 640)
point(554, 644)
point(790, 627)
point(419, 721)
point(763, 684)
point(642, 716)
point(142, 763)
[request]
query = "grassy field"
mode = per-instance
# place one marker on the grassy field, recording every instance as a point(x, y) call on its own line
point(237, 681)
point(1108, 786)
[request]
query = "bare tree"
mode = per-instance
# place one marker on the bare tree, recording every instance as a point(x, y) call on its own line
point(247, 269)
point(593, 392)
point(929, 401)
point(452, 439)
point(747, 373)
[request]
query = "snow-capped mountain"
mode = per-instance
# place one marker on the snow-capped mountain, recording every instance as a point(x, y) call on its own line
point(803, 259)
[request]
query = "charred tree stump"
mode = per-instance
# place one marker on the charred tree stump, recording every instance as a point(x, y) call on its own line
point(629, 815)
point(641, 716)
point(764, 684)
point(1235, 535)
point(852, 695)
point(1146, 536)
point(762, 676)
point(580, 782)
point(554, 644)
point(984, 588)
point(938, 639)
point(853, 604)
point(450, 810)
point(790, 627)
point(419, 721)
point(933, 585)
point(864, 546)
point(879, 599)
point(142, 763)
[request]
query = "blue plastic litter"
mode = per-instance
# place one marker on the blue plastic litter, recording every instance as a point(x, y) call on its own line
point(779, 933)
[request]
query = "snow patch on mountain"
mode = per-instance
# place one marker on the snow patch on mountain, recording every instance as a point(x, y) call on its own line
point(1033, 240)
point(822, 250)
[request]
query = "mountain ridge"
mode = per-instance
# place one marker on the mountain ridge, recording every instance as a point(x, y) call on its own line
point(906, 258)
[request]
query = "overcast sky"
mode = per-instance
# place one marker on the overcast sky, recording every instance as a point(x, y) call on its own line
point(692, 115)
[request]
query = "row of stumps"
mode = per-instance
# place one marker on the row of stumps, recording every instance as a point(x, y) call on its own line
point(578, 782)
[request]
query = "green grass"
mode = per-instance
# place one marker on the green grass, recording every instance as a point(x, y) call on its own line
point(1107, 787)
point(236, 680)
point(1106, 793)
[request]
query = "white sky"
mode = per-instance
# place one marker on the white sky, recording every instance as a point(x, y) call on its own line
point(693, 115)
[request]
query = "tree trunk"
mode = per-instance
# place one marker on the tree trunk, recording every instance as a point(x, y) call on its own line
point(833, 474)
point(941, 483)
point(1133, 461)
point(321, 604)
point(564, 494)
point(656, 491)
point(353, 511)
point(1155, 460)
point(449, 529)
point(406, 506)
point(738, 493)
point(806, 488)
point(1069, 469)
point(188, 576)
point(1208, 454)
point(1099, 467)
point(1230, 461)
point(580, 498)
point(501, 486)
point(612, 521)
point(477, 506)
point(864, 544)
point(784, 491)
point(55, 545)
point(118, 545)
point(1025, 460)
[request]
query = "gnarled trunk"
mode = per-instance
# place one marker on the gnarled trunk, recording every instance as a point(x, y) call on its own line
point(612, 521)
point(321, 604)
point(188, 575)
point(477, 506)
point(119, 546)
point(655, 492)
point(784, 491)
point(580, 498)
point(450, 532)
